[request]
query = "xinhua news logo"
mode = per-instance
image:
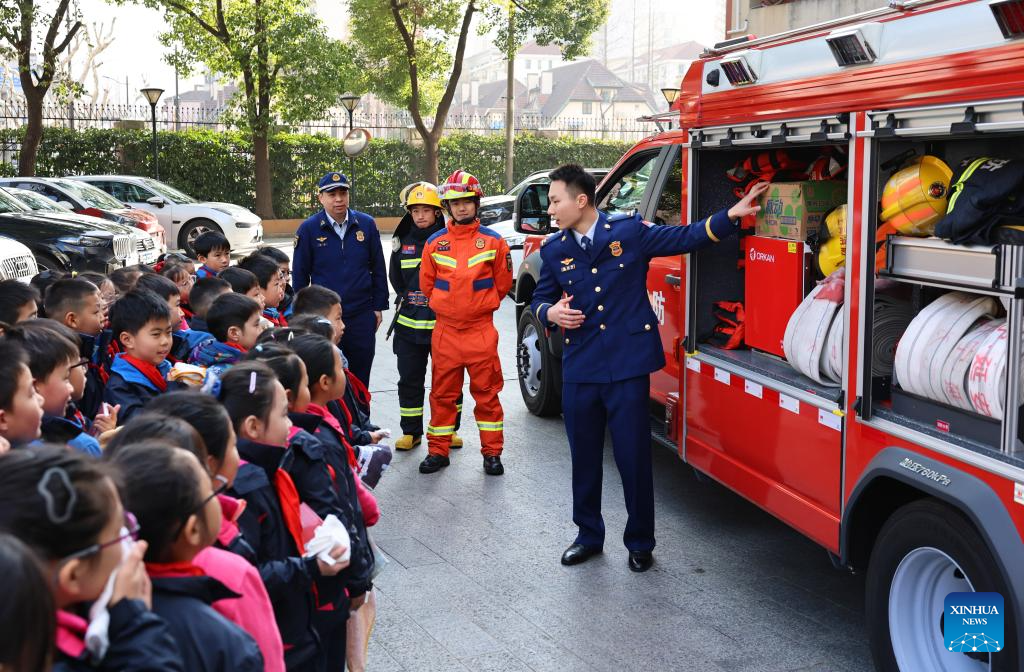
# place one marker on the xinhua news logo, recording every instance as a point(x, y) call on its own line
point(973, 622)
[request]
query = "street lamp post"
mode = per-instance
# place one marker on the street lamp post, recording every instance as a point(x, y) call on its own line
point(153, 96)
point(670, 97)
point(349, 101)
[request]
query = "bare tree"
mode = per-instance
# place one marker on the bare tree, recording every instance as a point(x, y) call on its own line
point(94, 41)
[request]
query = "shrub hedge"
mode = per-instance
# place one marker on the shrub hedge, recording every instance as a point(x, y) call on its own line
point(217, 166)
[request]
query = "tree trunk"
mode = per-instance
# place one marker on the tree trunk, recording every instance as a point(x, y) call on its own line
point(431, 152)
point(510, 91)
point(264, 192)
point(33, 134)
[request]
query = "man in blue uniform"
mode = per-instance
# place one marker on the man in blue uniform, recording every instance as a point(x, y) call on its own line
point(610, 345)
point(340, 249)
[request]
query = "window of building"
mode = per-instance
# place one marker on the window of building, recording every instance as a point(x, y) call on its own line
point(588, 107)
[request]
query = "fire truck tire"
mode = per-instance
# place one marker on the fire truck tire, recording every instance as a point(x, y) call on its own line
point(540, 372)
point(924, 551)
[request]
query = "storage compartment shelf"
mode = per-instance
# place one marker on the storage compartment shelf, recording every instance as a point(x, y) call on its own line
point(773, 369)
point(987, 268)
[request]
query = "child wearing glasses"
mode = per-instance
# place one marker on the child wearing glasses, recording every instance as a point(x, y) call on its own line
point(58, 375)
point(66, 506)
point(171, 493)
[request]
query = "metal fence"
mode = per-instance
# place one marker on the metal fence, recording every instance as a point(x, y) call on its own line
point(397, 126)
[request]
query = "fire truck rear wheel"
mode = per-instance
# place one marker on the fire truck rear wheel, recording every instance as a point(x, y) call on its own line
point(540, 380)
point(925, 551)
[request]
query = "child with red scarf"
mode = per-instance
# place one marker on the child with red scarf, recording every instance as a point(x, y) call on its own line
point(141, 324)
point(234, 322)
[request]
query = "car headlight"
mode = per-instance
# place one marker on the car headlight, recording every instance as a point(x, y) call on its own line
point(85, 241)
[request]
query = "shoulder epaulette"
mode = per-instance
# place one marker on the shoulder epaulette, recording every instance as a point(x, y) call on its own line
point(550, 238)
point(442, 232)
point(489, 232)
point(631, 216)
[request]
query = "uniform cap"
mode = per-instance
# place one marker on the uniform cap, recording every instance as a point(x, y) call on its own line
point(332, 181)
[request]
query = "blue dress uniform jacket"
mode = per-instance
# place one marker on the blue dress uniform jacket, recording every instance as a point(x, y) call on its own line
point(619, 335)
point(607, 361)
point(354, 268)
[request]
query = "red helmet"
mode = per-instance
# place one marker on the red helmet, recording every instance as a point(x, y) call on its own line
point(460, 184)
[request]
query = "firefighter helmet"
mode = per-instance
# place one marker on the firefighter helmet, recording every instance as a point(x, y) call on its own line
point(420, 193)
point(832, 252)
point(914, 199)
point(460, 184)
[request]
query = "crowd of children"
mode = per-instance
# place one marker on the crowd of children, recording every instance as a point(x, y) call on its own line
point(186, 471)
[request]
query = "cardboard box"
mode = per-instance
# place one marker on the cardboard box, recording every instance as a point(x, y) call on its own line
point(791, 210)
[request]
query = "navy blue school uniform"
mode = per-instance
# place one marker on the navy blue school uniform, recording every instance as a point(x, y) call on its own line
point(56, 429)
point(205, 271)
point(94, 349)
point(354, 267)
point(287, 576)
point(184, 341)
point(196, 323)
point(607, 362)
point(207, 641)
point(131, 388)
point(140, 641)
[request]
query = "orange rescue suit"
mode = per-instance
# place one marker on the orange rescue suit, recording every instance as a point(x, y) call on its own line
point(465, 272)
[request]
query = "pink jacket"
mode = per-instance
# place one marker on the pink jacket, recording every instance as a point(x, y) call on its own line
point(252, 611)
point(368, 503)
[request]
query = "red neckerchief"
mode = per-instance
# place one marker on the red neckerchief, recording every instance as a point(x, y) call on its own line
point(150, 371)
point(359, 388)
point(236, 346)
point(332, 422)
point(288, 496)
point(163, 570)
point(71, 633)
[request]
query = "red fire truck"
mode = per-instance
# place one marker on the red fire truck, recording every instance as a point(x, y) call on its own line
point(926, 499)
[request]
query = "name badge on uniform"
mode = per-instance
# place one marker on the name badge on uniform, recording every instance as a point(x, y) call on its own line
point(360, 236)
point(479, 243)
point(322, 240)
point(444, 245)
point(408, 249)
point(616, 248)
point(567, 264)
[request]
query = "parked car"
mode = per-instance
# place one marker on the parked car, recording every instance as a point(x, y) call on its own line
point(16, 261)
point(144, 245)
point(65, 242)
point(87, 200)
point(499, 208)
point(497, 212)
point(183, 216)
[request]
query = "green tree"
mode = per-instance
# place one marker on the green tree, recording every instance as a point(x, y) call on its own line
point(30, 31)
point(288, 68)
point(409, 44)
point(569, 25)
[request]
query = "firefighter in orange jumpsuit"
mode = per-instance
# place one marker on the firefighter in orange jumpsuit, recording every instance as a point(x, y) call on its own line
point(465, 272)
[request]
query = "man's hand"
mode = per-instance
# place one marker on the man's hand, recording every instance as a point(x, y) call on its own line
point(379, 317)
point(746, 205)
point(564, 316)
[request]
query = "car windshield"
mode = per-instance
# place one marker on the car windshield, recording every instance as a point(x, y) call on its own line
point(167, 191)
point(9, 203)
point(35, 201)
point(90, 195)
point(536, 178)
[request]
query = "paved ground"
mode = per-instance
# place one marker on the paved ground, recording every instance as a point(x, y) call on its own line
point(475, 582)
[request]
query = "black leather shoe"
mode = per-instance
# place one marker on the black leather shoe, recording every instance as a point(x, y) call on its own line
point(578, 553)
point(640, 561)
point(433, 463)
point(492, 466)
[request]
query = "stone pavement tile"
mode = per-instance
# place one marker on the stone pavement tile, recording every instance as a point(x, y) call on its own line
point(379, 660)
point(408, 552)
point(497, 662)
point(460, 636)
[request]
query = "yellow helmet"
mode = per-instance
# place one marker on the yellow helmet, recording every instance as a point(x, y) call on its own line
point(914, 199)
point(420, 193)
point(832, 252)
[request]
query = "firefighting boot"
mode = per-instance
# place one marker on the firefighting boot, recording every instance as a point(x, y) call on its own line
point(433, 463)
point(407, 442)
point(456, 440)
point(492, 465)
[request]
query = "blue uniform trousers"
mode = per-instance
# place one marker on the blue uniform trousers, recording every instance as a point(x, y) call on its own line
point(359, 343)
point(622, 405)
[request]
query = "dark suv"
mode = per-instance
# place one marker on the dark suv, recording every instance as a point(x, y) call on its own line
point(65, 242)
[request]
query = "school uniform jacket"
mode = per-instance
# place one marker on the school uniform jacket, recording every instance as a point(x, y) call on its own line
point(287, 576)
point(140, 641)
point(353, 267)
point(94, 348)
point(128, 387)
point(619, 335)
point(208, 642)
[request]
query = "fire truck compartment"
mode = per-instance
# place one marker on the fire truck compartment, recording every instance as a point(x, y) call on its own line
point(719, 270)
point(928, 269)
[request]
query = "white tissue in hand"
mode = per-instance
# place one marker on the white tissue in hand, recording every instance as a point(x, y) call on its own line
point(385, 433)
point(330, 534)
